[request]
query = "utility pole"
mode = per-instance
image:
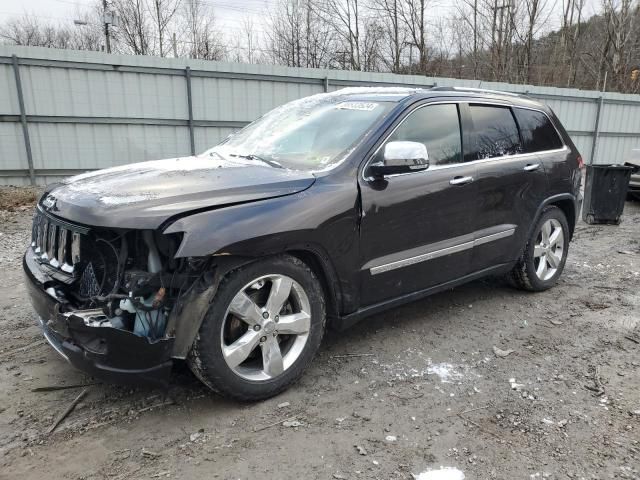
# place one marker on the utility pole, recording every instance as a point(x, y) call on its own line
point(175, 46)
point(106, 26)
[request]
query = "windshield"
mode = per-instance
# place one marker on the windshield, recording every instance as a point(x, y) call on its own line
point(312, 133)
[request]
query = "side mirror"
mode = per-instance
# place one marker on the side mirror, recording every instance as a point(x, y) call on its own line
point(401, 157)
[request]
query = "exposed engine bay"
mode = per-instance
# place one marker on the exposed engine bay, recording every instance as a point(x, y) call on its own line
point(119, 278)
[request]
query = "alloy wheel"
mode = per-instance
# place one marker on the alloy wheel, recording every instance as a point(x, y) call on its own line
point(549, 249)
point(266, 327)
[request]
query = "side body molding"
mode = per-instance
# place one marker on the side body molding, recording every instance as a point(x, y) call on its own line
point(439, 249)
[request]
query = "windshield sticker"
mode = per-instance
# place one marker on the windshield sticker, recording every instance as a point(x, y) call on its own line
point(364, 106)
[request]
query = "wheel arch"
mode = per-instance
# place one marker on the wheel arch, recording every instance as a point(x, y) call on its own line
point(565, 202)
point(568, 207)
point(321, 266)
point(186, 322)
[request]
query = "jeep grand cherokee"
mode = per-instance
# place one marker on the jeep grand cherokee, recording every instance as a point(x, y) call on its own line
point(333, 207)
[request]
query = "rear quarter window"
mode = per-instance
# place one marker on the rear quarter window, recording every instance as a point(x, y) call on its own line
point(537, 132)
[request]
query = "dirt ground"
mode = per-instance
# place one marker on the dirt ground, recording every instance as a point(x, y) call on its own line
point(424, 389)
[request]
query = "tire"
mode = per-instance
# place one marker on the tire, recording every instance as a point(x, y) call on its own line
point(262, 374)
point(528, 274)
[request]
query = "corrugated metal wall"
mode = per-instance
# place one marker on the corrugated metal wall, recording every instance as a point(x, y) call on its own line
point(87, 110)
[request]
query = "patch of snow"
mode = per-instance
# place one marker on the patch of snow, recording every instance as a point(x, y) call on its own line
point(179, 164)
point(445, 371)
point(446, 473)
point(369, 90)
point(514, 385)
point(407, 368)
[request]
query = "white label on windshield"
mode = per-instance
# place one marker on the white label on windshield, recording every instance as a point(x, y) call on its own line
point(365, 106)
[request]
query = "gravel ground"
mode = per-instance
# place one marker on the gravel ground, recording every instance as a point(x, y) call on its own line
point(426, 389)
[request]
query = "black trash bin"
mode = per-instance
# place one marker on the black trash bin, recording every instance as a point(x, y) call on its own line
point(605, 192)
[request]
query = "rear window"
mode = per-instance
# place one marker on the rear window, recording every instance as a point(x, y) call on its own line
point(495, 133)
point(538, 134)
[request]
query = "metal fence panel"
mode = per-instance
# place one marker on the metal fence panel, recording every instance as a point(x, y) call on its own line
point(85, 147)
point(8, 99)
point(615, 149)
point(207, 137)
point(12, 153)
point(88, 110)
point(83, 93)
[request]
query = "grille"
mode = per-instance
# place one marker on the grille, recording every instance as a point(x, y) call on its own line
point(56, 243)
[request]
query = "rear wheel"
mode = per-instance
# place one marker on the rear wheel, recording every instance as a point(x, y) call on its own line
point(262, 329)
point(544, 257)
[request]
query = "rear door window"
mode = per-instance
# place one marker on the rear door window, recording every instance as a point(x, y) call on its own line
point(537, 132)
point(495, 133)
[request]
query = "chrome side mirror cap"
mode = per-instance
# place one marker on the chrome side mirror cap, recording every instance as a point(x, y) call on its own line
point(401, 157)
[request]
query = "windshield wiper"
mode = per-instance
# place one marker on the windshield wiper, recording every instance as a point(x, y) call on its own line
point(271, 163)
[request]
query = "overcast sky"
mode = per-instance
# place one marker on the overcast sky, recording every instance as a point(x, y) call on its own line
point(229, 13)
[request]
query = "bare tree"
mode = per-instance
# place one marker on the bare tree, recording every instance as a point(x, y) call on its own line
point(344, 18)
point(371, 45)
point(134, 33)
point(413, 14)
point(286, 33)
point(162, 13)
point(203, 39)
point(298, 36)
point(535, 16)
point(517, 41)
point(389, 13)
point(619, 16)
point(28, 30)
point(250, 40)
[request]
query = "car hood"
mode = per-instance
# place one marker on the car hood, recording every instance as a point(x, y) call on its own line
point(145, 195)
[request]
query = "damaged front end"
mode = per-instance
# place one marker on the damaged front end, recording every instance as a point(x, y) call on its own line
point(109, 299)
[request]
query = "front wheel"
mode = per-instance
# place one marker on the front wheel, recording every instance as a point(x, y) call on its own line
point(262, 329)
point(544, 257)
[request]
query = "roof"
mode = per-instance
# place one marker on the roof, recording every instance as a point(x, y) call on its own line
point(396, 94)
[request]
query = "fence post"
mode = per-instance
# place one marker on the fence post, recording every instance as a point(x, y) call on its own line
point(23, 119)
point(187, 72)
point(326, 84)
point(596, 130)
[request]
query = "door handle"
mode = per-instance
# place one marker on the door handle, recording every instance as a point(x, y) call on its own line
point(460, 180)
point(531, 167)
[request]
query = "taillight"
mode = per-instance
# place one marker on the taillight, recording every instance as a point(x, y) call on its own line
point(580, 162)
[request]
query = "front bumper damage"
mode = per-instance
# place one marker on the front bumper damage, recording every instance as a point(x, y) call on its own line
point(112, 354)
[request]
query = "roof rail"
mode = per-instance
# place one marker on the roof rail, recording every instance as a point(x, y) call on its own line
point(478, 90)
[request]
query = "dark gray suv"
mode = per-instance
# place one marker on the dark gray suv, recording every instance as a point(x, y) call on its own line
point(331, 207)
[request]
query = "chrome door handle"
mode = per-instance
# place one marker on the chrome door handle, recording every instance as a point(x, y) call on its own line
point(531, 167)
point(460, 180)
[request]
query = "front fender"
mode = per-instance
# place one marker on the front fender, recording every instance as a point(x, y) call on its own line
point(323, 219)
